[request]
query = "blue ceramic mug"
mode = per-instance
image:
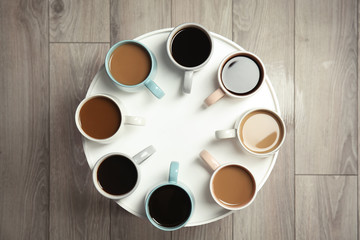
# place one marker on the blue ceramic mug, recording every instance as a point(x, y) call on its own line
point(147, 82)
point(169, 205)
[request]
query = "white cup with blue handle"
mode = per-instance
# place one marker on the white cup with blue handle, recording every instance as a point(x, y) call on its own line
point(169, 205)
point(147, 82)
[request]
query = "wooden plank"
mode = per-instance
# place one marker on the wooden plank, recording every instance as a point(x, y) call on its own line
point(79, 21)
point(215, 15)
point(267, 29)
point(325, 207)
point(126, 226)
point(358, 96)
point(221, 229)
point(77, 210)
point(326, 95)
point(24, 120)
point(132, 18)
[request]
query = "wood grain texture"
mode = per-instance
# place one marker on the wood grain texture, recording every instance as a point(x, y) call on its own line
point(271, 216)
point(130, 19)
point(214, 15)
point(77, 210)
point(24, 120)
point(326, 87)
point(325, 207)
point(79, 21)
point(126, 226)
point(219, 230)
point(358, 95)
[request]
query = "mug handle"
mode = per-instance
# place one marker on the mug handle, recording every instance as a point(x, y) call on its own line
point(188, 77)
point(154, 89)
point(174, 171)
point(214, 97)
point(223, 134)
point(144, 154)
point(134, 120)
point(209, 160)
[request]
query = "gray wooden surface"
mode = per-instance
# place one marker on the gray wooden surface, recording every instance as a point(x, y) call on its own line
point(50, 50)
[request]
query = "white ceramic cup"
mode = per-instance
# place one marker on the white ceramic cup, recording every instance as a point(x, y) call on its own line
point(125, 119)
point(217, 168)
point(135, 161)
point(236, 132)
point(222, 90)
point(188, 71)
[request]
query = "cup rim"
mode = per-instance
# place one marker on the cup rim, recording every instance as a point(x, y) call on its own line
point(260, 154)
point(152, 190)
point(97, 184)
point(212, 191)
point(230, 56)
point(78, 122)
point(171, 36)
point(112, 49)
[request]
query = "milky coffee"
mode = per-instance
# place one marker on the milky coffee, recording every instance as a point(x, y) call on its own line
point(130, 64)
point(100, 117)
point(234, 186)
point(261, 131)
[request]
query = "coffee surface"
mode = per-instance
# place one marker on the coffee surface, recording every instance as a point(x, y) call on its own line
point(261, 131)
point(117, 175)
point(169, 206)
point(233, 186)
point(240, 75)
point(130, 64)
point(190, 47)
point(100, 117)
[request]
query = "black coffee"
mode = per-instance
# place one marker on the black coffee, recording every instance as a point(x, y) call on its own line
point(169, 206)
point(241, 75)
point(190, 47)
point(117, 175)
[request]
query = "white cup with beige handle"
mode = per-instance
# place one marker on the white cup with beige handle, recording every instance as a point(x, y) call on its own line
point(232, 185)
point(240, 75)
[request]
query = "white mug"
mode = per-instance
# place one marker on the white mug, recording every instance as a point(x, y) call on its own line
point(188, 70)
point(259, 135)
point(125, 119)
point(127, 175)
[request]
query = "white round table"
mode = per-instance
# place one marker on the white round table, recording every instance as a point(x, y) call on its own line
point(179, 127)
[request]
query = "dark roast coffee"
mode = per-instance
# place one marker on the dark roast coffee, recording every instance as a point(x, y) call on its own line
point(117, 175)
point(242, 75)
point(190, 47)
point(169, 206)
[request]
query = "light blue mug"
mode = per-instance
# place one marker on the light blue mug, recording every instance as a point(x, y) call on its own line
point(148, 82)
point(169, 205)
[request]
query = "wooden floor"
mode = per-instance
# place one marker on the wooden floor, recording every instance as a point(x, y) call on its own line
point(50, 50)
